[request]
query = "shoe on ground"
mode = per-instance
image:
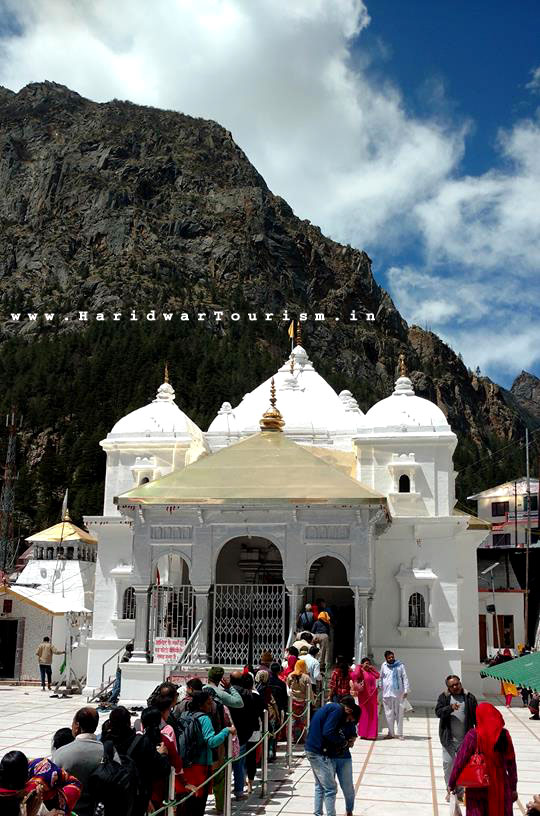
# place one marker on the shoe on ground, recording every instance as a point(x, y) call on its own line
point(43, 689)
point(535, 717)
point(240, 796)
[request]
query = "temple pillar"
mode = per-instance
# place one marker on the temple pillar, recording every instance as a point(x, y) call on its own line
point(361, 623)
point(202, 613)
point(294, 591)
point(140, 639)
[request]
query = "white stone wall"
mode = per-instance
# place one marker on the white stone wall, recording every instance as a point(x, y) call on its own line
point(429, 655)
point(120, 477)
point(433, 475)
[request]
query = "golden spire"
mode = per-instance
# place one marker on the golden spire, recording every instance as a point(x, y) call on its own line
point(402, 366)
point(166, 375)
point(298, 333)
point(66, 516)
point(271, 419)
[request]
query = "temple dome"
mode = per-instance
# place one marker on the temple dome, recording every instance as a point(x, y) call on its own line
point(160, 418)
point(404, 411)
point(312, 410)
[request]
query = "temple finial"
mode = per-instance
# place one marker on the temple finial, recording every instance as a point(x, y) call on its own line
point(166, 374)
point(66, 516)
point(272, 420)
point(298, 333)
point(402, 366)
point(273, 393)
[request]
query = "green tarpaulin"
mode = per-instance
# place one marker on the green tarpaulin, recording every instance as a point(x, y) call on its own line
point(522, 671)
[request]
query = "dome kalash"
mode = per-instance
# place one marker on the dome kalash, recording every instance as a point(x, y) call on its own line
point(314, 413)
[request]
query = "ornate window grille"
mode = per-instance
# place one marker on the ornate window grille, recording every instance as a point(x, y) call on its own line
point(128, 604)
point(417, 611)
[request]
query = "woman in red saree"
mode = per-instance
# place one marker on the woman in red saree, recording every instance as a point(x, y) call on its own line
point(364, 679)
point(291, 662)
point(495, 743)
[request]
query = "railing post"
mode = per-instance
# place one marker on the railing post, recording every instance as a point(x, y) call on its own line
point(171, 809)
point(264, 762)
point(308, 712)
point(227, 794)
point(289, 733)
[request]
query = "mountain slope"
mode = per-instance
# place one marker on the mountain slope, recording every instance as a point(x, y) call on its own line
point(116, 206)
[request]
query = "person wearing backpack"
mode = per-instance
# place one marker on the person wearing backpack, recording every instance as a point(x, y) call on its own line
point(197, 740)
point(165, 748)
point(220, 717)
point(147, 758)
point(166, 691)
point(306, 619)
point(81, 757)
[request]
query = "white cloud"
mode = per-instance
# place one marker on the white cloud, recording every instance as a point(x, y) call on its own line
point(534, 84)
point(490, 321)
point(493, 220)
point(278, 74)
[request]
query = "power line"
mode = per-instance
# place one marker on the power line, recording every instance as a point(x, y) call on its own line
point(494, 457)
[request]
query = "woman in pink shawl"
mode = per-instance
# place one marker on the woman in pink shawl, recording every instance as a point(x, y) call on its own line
point(364, 682)
point(292, 652)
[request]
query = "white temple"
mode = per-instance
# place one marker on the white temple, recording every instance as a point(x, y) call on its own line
point(233, 530)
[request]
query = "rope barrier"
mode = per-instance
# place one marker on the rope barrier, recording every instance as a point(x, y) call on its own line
point(228, 762)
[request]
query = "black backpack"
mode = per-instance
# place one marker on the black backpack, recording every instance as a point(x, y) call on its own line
point(114, 786)
point(190, 737)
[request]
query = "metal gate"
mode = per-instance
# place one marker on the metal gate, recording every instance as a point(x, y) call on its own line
point(247, 620)
point(172, 612)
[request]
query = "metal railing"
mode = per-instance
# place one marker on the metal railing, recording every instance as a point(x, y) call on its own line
point(189, 649)
point(169, 806)
point(107, 683)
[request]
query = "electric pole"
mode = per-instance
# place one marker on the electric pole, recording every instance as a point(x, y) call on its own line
point(8, 542)
point(528, 536)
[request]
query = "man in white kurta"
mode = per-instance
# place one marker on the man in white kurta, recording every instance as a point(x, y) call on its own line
point(395, 687)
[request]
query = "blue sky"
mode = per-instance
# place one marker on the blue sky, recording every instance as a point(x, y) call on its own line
point(411, 130)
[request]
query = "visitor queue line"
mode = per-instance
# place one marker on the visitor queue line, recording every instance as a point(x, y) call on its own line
point(169, 806)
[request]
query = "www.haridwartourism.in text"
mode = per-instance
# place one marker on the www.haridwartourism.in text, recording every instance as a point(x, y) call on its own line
point(211, 316)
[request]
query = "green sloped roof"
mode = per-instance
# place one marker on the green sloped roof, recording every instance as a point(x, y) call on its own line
point(266, 467)
point(522, 671)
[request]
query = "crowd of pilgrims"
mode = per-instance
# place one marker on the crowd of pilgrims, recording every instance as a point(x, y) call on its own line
point(124, 766)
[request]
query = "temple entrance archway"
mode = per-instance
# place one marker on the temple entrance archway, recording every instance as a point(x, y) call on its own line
point(328, 581)
point(249, 602)
point(172, 603)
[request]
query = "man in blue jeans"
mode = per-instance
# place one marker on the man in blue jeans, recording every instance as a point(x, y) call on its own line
point(343, 767)
point(327, 740)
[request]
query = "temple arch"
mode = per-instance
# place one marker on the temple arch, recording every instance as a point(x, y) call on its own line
point(249, 560)
point(172, 604)
point(328, 581)
point(249, 601)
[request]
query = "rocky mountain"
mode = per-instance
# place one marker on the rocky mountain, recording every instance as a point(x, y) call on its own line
point(112, 207)
point(526, 393)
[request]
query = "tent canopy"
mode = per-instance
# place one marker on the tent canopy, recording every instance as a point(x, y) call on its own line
point(522, 671)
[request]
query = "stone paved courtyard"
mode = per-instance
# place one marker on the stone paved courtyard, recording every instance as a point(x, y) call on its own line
point(391, 776)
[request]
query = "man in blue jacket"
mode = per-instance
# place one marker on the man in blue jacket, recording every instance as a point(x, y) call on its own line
point(326, 740)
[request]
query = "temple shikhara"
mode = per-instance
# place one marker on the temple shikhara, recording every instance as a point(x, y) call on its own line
point(217, 539)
